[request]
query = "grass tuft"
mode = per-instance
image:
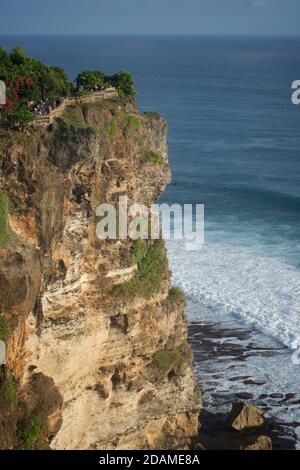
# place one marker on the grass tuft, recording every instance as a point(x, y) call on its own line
point(4, 329)
point(176, 296)
point(4, 211)
point(30, 434)
point(112, 127)
point(130, 121)
point(152, 266)
point(166, 360)
point(8, 391)
point(153, 157)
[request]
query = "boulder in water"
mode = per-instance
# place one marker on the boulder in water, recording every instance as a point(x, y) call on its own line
point(260, 443)
point(243, 416)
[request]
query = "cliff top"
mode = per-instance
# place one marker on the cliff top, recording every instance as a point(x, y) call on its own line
point(33, 88)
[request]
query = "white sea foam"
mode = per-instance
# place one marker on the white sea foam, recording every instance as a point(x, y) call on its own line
point(261, 291)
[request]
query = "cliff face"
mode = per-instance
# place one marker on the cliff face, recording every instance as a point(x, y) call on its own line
point(98, 351)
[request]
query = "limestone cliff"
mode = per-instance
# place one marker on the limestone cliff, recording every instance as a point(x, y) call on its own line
point(97, 353)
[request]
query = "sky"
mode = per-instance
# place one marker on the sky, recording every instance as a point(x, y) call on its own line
point(270, 17)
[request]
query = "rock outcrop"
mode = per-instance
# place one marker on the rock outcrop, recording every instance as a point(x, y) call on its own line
point(244, 428)
point(97, 353)
point(244, 415)
point(260, 443)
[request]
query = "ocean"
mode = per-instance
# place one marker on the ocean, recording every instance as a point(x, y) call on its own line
point(234, 145)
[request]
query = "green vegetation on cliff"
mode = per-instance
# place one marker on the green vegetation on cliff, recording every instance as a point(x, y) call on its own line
point(30, 434)
point(8, 391)
point(166, 360)
point(95, 79)
point(23, 115)
point(124, 83)
point(4, 210)
point(29, 82)
point(176, 296)
point(139, 251)
point(4, 329)
point(90, 79)
point(130, 121)
point(28, 79)
point(153, 157)
point(152, 265)
point(112, 127)
point(123, 120)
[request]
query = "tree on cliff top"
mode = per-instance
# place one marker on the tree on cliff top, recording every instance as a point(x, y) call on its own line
point(90, 79)
point(122, 81)
point(28, 79)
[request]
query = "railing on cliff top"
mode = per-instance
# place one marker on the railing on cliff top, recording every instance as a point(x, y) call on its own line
point(47, 119)
point(71, 100)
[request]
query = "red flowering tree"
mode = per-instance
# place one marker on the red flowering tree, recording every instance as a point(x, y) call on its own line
point(16, 91)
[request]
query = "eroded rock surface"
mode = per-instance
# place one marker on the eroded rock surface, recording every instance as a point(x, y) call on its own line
point(82, 347)
point(261, 443)
point(244, 415)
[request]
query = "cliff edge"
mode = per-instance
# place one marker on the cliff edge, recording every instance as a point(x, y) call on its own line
point(96, 336)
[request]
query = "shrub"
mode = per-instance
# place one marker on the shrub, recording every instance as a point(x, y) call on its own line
point(176, 295)
point(8, 391)
point(90, 79)
point(166, 360)
point(4, 329)
point(152, 265)
point(28, 80)
point(4, 210)
point(124, 83)
point(139, 251)
point(23, 116)
point(17, 56)
point(11, 393)
point(130, 121)
point(30, 434)
point(112, 127)
point(153, 157)
point(133, 123)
